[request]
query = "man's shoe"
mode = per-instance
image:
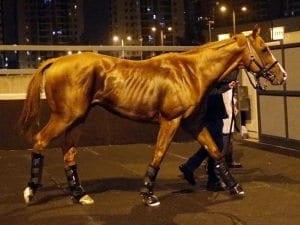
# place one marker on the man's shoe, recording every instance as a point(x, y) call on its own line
point(237, 191)
point(234, 165)
point(214, 186)
point(187, 174)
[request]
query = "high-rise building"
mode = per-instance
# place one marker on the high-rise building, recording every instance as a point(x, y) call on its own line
point(152, 22)
point(162, 21)
point(126, 23)
point(147, 22)
point(291, 8)
point(256, 11)
point(1, 22)
point(8, 32)
point(47, 22)
point(2, 56)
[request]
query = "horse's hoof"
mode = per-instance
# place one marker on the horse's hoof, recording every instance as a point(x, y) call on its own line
point(237, 191)
point(86, 200)
point(28, 194)
point(150, 200)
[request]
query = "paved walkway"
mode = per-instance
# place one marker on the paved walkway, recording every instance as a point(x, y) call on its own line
point(113, 176)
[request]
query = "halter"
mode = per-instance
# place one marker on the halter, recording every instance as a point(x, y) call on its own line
point(264, 71)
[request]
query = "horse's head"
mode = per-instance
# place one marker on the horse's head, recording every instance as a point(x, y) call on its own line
point(260, 61)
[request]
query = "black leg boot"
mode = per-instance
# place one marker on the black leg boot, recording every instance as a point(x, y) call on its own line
point(77, 191)
point(37, 163)
point(223, 172)
point(147, 191)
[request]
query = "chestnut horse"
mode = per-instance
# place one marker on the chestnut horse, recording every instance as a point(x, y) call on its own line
point(165, 89)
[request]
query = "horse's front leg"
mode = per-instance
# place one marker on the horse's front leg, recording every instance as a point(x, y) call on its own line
point(221, 168)
point(166, 133)
point(69, 153)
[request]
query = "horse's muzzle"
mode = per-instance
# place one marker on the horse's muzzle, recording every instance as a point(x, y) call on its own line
point(277, 81)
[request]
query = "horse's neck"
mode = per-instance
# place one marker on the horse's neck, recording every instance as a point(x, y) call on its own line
point(220, 60)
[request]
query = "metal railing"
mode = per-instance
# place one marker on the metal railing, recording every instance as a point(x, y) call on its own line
point(81, 48)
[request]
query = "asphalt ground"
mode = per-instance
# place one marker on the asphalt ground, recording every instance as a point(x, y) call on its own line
point(112, 175)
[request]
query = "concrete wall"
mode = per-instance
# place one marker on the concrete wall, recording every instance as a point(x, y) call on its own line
point(13, 84)
point(101, 128)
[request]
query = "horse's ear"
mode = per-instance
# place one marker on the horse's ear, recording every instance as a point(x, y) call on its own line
point(256, 31)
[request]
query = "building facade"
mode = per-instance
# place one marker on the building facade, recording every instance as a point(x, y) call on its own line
point(8, 33)
point(256, 12)
point(48, 22)
point(291, 8)
point(147, 22)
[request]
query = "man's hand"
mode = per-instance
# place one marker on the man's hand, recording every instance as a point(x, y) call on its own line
point(233, 84)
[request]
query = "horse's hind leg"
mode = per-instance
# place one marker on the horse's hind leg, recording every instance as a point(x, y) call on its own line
point(69, 151)
point(55, 126)
point(166, 133)
point(221, 168)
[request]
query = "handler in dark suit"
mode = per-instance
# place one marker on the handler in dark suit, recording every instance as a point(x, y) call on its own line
point(213, 119)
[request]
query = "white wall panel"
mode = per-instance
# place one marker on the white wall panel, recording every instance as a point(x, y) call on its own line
point(272, 116)
point(292, 62)
point(293, 110)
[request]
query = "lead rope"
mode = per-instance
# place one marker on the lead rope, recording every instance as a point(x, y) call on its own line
point(250, 80)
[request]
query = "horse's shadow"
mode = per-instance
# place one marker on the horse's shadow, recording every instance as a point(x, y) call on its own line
point(179, 186)
point(127, 184)
point(177, 199)
point(173, 205)
point(96, 186)
point(257, 174)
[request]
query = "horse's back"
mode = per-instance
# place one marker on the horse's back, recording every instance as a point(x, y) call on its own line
point(70, 79)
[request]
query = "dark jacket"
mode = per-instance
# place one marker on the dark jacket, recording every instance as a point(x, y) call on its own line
point(211, 110)
point(215, 108)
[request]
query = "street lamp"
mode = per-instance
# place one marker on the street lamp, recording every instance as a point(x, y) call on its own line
point(210, 23)
point(162, 35)
point(141, 43)
point(223, 9)
point(117, 39)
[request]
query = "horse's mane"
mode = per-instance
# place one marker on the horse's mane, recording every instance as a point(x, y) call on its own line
point(211, 45)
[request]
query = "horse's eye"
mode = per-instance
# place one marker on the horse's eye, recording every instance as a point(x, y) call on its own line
point(265, 49)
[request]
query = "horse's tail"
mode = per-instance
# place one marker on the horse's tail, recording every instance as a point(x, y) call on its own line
point(31, 108)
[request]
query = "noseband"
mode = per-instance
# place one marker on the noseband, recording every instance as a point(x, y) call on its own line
point(264, 71)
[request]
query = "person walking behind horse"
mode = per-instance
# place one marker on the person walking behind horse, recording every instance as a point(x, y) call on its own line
point(213, 120)
point(228, 128)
